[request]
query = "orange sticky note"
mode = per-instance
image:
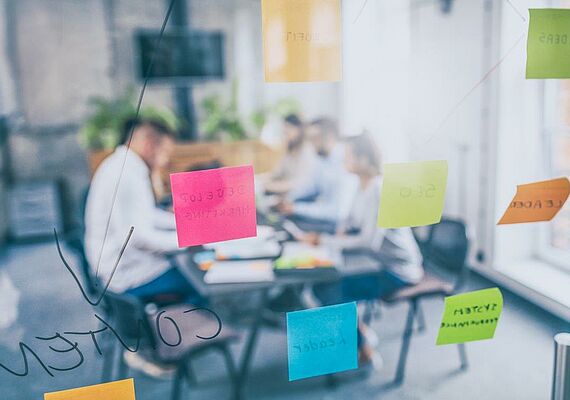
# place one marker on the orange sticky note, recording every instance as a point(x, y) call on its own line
point(118, 390)
point(539, 201)
point(301, 40)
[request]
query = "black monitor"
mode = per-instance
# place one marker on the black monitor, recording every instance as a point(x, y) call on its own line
point(181, 56)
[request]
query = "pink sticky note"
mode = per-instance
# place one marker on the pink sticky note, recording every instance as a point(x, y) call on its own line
point(214, 205)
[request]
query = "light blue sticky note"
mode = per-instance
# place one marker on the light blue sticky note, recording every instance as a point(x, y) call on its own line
point(322, 341)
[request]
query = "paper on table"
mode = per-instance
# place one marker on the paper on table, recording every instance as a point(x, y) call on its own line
point(413, 194)
point(322, 340)
point(118, 390)
point(470, 316)
point(539, 201)
point(263, 245)
point(301, 40)
point(304, 255)
point(548, 45)
point(240, 272)
point(246, 248)
point(214, 205)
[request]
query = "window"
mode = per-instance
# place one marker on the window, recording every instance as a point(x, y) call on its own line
point(555, 236)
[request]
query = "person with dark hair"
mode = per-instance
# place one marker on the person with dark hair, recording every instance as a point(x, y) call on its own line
point(298, 159)
point(121, 196)
point(322, 199)
point(144, 270)
point(398, 259)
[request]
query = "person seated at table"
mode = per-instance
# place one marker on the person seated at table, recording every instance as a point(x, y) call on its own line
point(395, 250)
point(298, 159)
point(323, 199)
point(144, 270)
point(166, 202)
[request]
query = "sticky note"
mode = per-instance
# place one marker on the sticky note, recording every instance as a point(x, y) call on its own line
point(322, 341)
point(118, 390)
point(548, 45)
point(470, 316)
point(301, 40)
point(214, 205)
point(413, 194)
point(539, 201)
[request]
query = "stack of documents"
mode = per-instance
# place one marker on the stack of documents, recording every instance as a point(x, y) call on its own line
point(240, 272)
point(262, 246)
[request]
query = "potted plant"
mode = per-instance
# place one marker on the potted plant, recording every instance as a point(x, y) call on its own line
point(101, 132)
point(222, 121)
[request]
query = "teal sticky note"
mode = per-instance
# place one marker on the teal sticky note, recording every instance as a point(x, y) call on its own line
point(322, 341)
point(548, 45)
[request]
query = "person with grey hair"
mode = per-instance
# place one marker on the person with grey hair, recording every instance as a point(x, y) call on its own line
point(396, 255)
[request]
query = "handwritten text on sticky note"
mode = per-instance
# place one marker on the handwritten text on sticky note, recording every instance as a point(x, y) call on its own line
point(539, 201)
point(322, 340)
point(301, 40)
point(119, 390)
point(214, 205)
point(470, 316)
point(413, 194)
point(548, 46)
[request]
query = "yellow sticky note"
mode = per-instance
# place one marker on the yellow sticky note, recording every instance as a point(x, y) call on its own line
point(413, 194)
point(470, 316)
point(118, 390)
point(301, 40)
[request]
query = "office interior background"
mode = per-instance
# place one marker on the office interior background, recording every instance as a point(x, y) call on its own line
point(430, 79)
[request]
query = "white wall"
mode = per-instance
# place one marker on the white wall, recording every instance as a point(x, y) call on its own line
point(406, 67)
point(376, 65)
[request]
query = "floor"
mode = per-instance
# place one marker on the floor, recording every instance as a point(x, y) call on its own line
point(38, 298)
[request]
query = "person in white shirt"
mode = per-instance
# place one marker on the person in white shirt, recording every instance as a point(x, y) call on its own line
point(323, 199)
point(144, 270)
point(299, 158)
point(398, 255)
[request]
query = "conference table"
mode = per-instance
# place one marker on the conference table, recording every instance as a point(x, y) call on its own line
point(352, 264)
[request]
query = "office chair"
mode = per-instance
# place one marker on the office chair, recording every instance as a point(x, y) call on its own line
point(75, 240)
point(170, 336)
point(446, 247)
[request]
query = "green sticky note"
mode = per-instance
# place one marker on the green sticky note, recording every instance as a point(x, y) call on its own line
point(548, 45)
point(413, 194)
point(470, 316)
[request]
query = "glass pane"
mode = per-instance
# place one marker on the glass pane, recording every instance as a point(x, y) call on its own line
point(560, 161)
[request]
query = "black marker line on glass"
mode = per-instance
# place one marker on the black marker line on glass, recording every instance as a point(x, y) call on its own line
point(76, 279)
point(139, 103)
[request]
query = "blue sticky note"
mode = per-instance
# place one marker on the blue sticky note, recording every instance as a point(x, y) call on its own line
point(322, 341)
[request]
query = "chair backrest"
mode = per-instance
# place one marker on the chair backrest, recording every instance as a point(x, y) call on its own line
point(447, 246)
point(130, 319)
point(76, 241)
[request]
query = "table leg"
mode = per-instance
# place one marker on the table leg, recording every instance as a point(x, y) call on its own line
point(251, 341)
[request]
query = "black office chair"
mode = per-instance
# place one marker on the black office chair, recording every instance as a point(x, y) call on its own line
point(445, 247)
point(75, 240)
point(173, 344)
